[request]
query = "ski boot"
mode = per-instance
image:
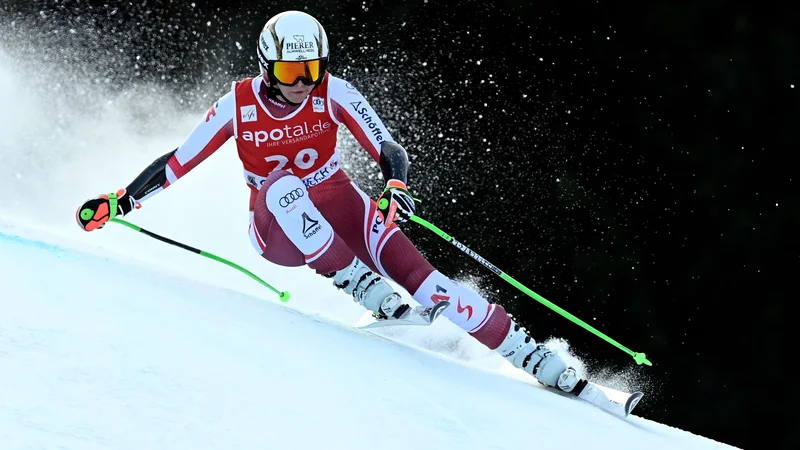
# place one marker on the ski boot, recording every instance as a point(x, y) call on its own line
point(374, 293)
point(552, 371)
point(546, 366)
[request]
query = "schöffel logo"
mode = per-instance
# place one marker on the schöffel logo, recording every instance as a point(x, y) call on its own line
point(291, 197)
point(310, 226)
point(287, 134)
point(366, 116)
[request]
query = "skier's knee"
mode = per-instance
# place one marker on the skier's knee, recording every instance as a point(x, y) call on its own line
point(269, 240)
point(287, 199)
point(263, 217)
point(284, 193)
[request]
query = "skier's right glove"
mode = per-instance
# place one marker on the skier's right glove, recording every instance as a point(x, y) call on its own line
point(396, 203)
point(94, 213)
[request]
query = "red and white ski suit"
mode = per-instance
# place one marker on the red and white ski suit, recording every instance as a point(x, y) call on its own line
point(275, 140)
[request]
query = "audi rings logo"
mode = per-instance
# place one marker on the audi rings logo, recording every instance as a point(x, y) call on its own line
point(290, 198)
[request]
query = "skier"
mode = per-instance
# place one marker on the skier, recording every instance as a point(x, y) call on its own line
point(304, 208)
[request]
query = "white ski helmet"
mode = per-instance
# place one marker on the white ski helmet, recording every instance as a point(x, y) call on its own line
point(293, 36)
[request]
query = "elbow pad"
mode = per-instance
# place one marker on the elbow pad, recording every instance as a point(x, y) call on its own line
point(394, 162)
point(153, 177)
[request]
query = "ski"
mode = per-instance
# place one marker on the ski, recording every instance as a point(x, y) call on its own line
point(612, 401)
point(419, 315)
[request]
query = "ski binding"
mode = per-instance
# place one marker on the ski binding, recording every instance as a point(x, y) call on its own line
point(610, 400)
point(414, 316)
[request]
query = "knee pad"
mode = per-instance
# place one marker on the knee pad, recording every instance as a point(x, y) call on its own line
point(287, 199)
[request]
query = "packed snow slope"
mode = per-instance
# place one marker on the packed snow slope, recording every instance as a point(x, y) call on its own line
point(100, 351)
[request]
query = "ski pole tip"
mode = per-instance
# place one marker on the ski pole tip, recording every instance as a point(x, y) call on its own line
point(284, 296)
point(640, 359)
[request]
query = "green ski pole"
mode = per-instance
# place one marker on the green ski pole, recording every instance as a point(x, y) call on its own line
point(282, 295)
point(640, 358)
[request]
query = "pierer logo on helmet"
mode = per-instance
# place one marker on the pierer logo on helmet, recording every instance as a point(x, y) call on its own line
point(300, 45)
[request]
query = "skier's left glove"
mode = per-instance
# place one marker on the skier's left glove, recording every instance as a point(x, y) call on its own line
point(96, 212)
point(396, 203)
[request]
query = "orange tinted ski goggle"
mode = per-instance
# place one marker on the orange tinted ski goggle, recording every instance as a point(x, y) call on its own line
point(289, 72)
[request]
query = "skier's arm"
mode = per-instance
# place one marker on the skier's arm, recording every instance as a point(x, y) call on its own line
point(208, 136)
point(354, 111)
point(151, 178)
point(393, 161)
point(214, 129)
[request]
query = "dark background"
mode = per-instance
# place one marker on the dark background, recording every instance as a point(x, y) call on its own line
point(631, 162)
